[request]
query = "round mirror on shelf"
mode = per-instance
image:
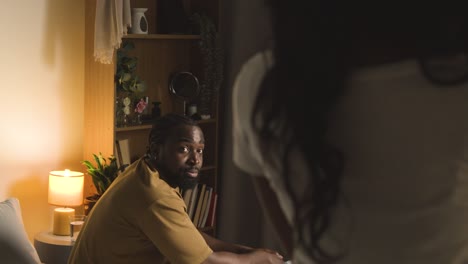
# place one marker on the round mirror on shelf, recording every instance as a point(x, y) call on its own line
point(184, 85)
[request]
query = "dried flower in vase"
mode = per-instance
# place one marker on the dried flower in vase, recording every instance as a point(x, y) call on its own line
point(141, 105)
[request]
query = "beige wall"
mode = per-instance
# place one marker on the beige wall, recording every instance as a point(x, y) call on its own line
point(41, 100)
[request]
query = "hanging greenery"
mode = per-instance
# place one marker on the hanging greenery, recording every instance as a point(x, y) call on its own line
point(129, 87)
point(213, 60)
point(126, 79)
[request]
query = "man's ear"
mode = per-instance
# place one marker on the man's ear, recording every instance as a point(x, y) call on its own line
point(155, 150)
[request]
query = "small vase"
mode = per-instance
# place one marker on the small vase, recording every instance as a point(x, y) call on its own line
point(125, 121)
point(139, 22)
point(138, 119)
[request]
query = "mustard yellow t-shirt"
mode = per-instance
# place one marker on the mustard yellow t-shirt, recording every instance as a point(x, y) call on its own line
point(140, 219)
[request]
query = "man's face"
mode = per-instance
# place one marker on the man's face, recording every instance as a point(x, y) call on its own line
point(181, 157)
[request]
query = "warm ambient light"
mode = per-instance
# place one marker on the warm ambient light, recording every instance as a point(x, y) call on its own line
point(65, 189)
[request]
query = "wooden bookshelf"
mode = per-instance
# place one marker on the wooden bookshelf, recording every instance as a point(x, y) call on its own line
point(161, 36)
point(159, 55)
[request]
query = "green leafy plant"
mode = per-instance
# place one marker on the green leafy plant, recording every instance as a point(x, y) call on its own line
point(103, 172)
point(126, 79)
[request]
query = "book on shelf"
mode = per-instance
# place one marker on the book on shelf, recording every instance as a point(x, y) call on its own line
point(205, 206)
point(187, 195)
point(123, 151)
point(210, 219)
point(116, 155)
point(192, 201)
point(201, 193)
point(201, 205)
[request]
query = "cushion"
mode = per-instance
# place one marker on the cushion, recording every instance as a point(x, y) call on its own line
point(15, 246)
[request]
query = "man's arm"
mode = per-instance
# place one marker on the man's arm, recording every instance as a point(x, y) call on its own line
point(256, 256)
point(233, 253)
point(219, 245)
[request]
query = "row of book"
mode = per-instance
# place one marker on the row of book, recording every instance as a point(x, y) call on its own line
point(201, 205)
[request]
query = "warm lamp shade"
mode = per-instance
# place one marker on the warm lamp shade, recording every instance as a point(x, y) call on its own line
point(66, 188)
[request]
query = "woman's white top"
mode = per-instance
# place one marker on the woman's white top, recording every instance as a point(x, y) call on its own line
point(405, 184)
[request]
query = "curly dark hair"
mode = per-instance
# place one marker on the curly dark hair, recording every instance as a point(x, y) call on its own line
point(164, 126)
point(287, 93)
point(316, 44)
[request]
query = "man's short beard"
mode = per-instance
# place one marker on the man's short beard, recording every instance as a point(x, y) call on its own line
point(180, 179)
point(187, 182)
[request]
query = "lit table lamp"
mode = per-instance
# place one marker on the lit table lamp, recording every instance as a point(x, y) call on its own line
point(65, 189)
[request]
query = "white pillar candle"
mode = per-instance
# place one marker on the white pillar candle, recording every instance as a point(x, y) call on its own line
point(62, 221)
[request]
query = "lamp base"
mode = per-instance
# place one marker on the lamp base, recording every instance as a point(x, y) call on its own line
point(62, 221)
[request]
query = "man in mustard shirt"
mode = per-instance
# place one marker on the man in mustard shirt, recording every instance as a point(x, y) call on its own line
point(142, 217)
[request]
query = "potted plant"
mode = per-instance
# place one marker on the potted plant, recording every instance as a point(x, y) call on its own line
point(102, 173)
point(213, 61)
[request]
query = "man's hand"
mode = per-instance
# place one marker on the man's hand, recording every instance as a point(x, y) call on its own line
point(258, 256)
point(270, 251)
point(233, 253)
point(261, 256)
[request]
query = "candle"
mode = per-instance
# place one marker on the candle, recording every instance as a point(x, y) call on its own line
point(62, 221)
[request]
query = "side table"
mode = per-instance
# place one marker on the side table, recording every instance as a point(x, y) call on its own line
point(53, 249)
